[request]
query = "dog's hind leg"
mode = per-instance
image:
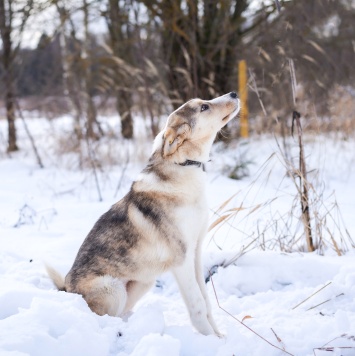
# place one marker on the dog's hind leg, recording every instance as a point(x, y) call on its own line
point(105, 295)
point(135, 290)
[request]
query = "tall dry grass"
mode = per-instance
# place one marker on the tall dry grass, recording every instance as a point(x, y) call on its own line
point(267, 225)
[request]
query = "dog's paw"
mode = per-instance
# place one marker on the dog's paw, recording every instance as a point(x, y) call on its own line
point(126, 316)
point(220, 335)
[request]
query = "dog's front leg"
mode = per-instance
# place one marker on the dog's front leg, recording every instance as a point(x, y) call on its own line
point(191, 293)
point(201, 282)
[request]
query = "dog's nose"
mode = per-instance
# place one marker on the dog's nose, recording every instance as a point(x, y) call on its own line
point(233, 94)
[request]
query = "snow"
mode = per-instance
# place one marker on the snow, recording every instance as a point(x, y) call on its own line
point(295, 300)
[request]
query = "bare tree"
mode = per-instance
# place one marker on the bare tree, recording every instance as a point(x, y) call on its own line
point(201, 42)
point(116, 16)
point(70, 92)
point(12, 11)
point(91, 114)
point(77, 61)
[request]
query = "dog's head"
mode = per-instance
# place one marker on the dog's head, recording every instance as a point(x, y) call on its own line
point(192, 128)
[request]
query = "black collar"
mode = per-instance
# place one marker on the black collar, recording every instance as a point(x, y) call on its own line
point(189, 162)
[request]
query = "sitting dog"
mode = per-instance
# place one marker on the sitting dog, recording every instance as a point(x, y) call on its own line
point(159, 225)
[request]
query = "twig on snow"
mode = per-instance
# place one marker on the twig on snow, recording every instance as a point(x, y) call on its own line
point(326, 301)
point(253, 331)
point(311, 295)
point(333, 348)
point(278, 339)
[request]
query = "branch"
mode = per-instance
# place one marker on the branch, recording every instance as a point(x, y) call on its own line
point(33, 144)
point(231, 315)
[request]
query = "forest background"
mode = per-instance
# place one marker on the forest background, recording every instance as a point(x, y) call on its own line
point(146, 57)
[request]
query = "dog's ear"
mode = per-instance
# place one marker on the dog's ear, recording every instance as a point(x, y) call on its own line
point(174, 138)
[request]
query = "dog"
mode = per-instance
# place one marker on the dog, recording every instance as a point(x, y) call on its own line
point(159, 225)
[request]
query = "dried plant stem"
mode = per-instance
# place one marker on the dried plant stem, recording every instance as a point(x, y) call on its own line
point(33, 144)
point(92, 162)
point(326, 301)
point(332, 348)
point(231, 315)
point(122, 175)
point(278, 339)
point(311, 295)
point(254, 88)
point(278, 6)
point(306, 219)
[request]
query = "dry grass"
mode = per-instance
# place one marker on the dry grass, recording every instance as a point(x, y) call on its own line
point(345, 338)
point(339, 119)
point(109, 150)
point(266, 226)
point(342, 111)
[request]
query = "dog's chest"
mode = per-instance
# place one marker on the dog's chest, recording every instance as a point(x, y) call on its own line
point(192, 219)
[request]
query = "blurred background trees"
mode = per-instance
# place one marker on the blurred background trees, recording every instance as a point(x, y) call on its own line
point(149, 56)
point(13, 19)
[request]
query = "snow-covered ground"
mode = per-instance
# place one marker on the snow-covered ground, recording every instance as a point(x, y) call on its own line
point(46, 213)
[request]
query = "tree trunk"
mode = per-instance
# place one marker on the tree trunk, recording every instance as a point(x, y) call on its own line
point(210, 36)
point(7, 57)
point(68, 88)
point(91, 114)
point(115, 18)
point(124, 108)
point(10, 114)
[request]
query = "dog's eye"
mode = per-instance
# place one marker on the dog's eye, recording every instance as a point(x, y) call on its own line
point(204, 107)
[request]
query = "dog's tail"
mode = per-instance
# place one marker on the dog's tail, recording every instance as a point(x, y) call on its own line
point(56, 277)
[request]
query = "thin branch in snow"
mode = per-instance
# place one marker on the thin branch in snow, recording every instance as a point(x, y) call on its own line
point(332, 348)
point(312, 295)
point(231, 315)
point(326, 301)
point(278, 339)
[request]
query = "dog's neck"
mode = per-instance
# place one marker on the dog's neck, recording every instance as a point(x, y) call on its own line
point(190, 162)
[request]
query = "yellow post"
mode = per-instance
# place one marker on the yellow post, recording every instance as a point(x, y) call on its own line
point(243, 96)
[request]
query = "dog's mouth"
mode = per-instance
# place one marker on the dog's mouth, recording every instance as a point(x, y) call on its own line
point(231, 115)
